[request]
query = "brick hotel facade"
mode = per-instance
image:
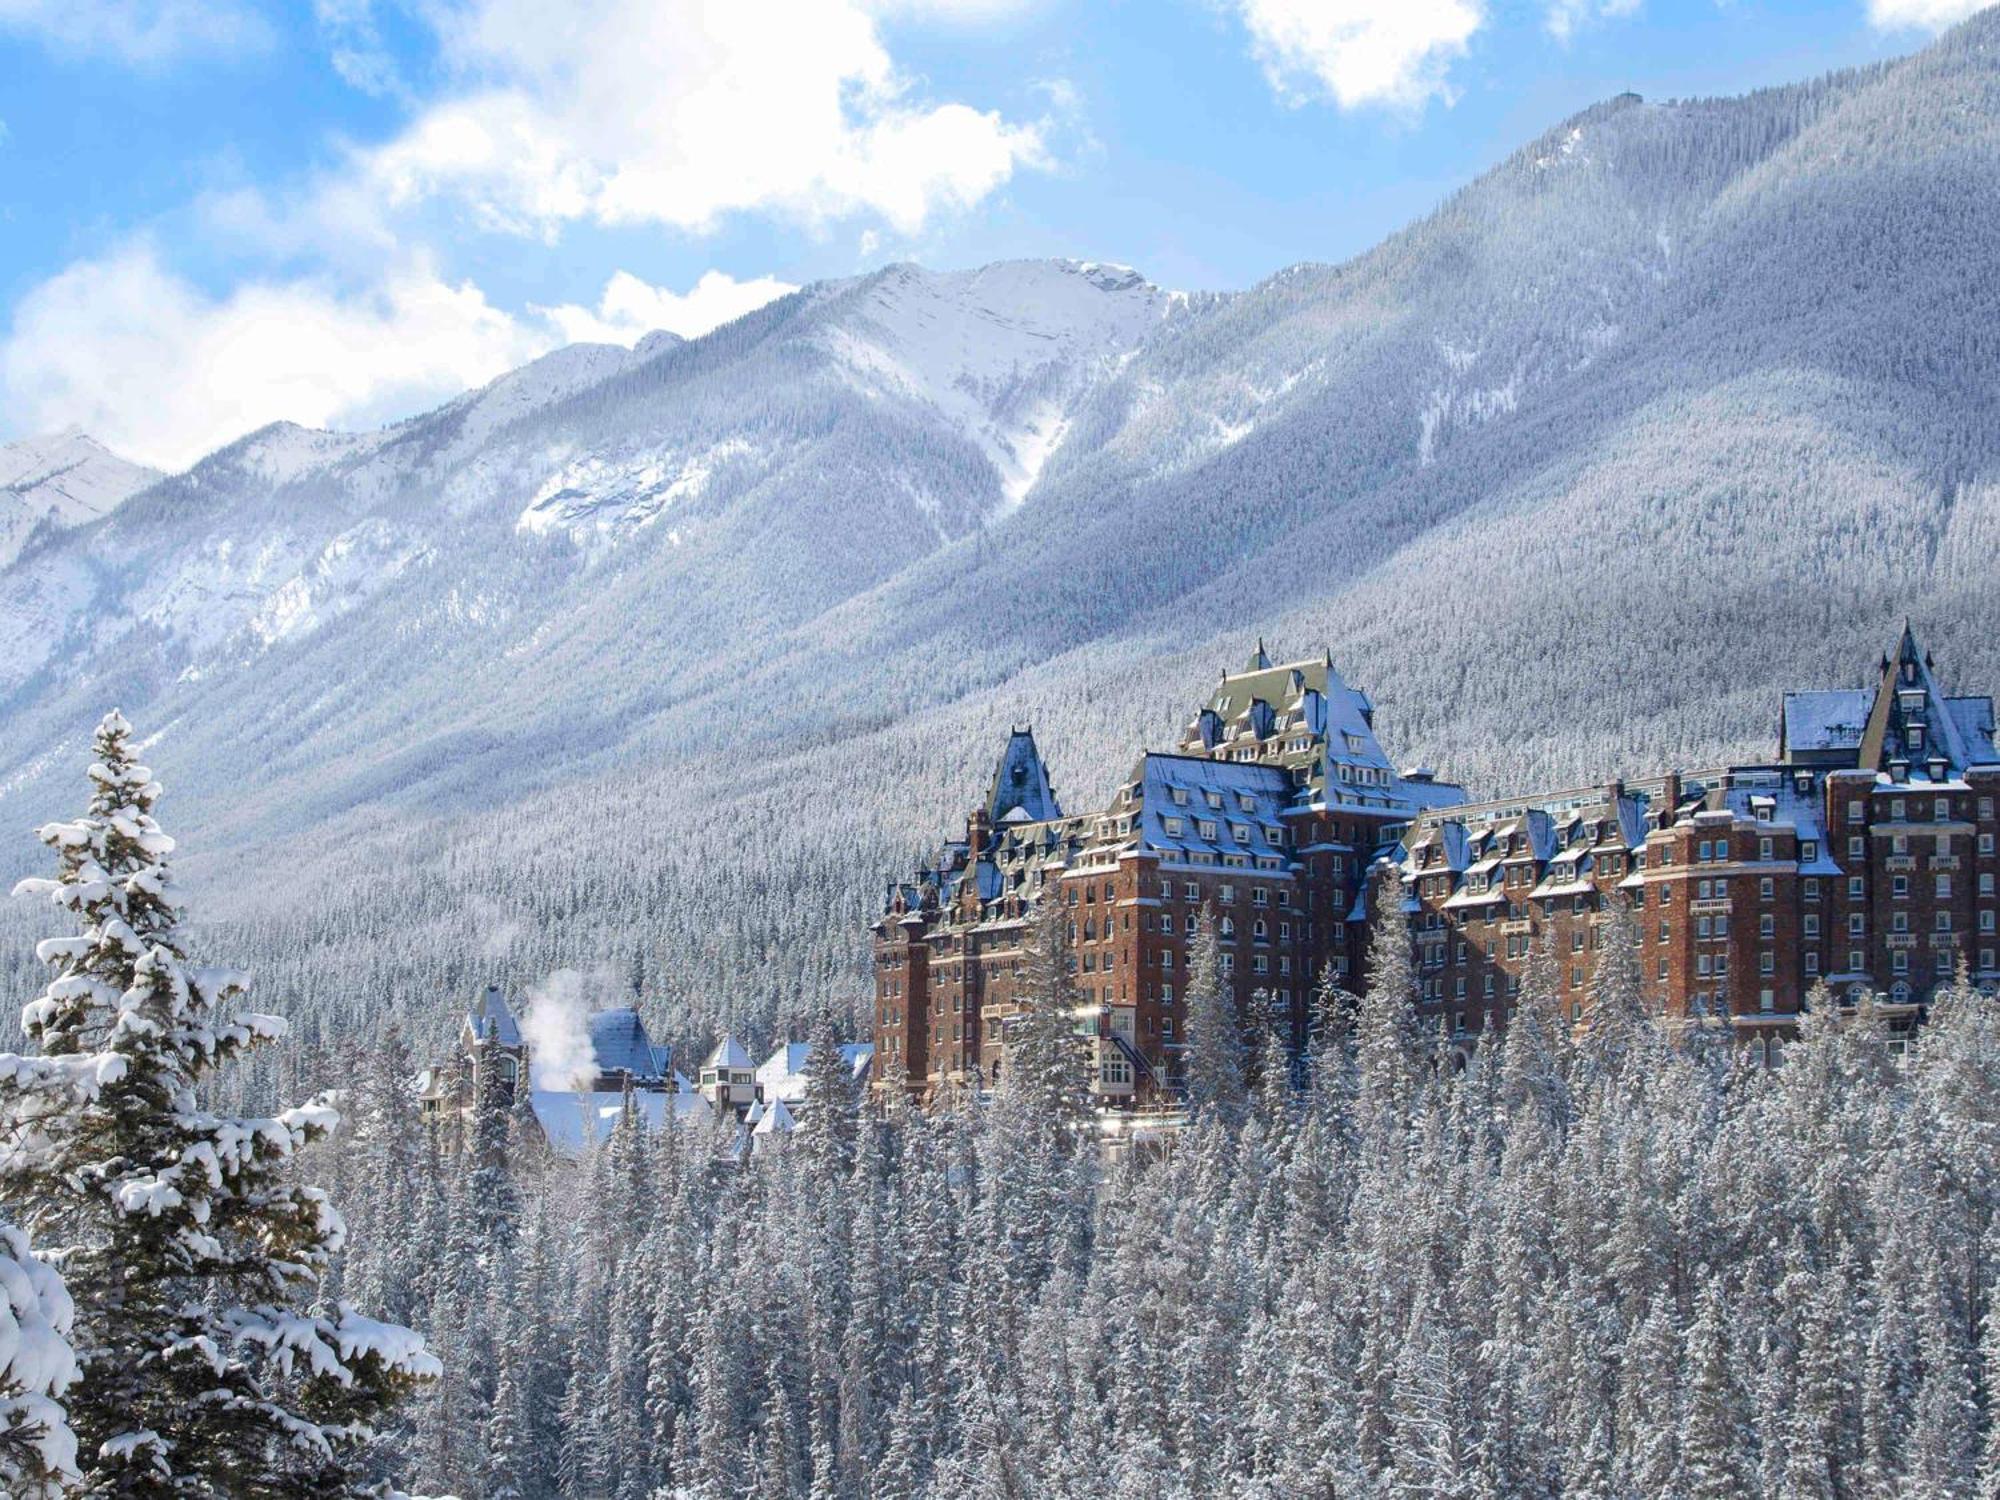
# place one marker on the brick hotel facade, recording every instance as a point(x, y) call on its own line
point(1863, 855)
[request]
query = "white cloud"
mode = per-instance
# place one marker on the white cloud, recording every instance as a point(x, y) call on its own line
point(157, 369)
point(1564, 18)
point(630, 308)
point(140, 31)
point(1361, 52)
point(1924, 15)
point(679, 112)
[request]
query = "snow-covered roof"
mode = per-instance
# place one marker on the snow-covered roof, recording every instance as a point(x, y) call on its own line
point(782, 1075)
point(619, 1042)
point(1021, 784)
point(573, 1122)
point(491, 1020)
point(1824, 721)
point(1268, 789)
point(728, 1053)
point(1974, 718)
point(775, 1120)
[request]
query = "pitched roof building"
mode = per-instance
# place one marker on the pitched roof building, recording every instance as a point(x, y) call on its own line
point(1863, 855)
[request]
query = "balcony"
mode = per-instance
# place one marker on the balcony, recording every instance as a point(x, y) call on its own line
point(1897, 940)
point(1900, 863)
point(1944, 861)
point(1710, 908)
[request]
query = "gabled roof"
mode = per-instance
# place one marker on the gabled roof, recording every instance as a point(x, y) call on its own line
point(776, 1120)
point(782, 1075)
point(1907, 671)
point(491, 1020)
point(619, 1043)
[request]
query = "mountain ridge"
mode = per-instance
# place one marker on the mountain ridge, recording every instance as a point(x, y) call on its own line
point(1679, 405)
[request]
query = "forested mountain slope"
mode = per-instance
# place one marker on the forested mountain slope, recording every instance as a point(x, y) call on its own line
point(660, 658)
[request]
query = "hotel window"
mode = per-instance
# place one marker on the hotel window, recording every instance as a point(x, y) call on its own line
point(1701, 963)
point(1857, 924)
point(1899, 921)
point(1766, 888)
point(1812, 924)
point(1899, 961)
point(1985, 843)
point(1663, 932)
point(1812, 890)
point(1854, 887)
point(1944, 921)
point(1940, 809)
point(1767, 963)
point(1898, 809)
point(1767, 925)
point(1854, 812)
point(1663, 968)
point(1812, 963)
point(1174, 826)
point(1704, 850)
point(1944, 887)
point(1854, 960)
point(1764, 847)
point(1986, 920)
point(1857, 847)
point(1190, 891)
point(1808, 851)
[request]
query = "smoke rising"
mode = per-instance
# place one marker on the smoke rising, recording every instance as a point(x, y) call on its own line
point(556, 1028)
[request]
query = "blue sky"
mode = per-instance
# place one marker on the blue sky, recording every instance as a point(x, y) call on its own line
point(217, 213)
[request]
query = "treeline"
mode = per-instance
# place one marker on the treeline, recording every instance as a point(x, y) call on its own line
point(1608, 1263)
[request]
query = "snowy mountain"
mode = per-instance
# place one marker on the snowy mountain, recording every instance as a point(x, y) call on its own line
point(1681, 405)
point(63, 479)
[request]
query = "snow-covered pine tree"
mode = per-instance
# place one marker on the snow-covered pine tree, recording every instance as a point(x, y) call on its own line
point(1616, 1027)
point(37, 1364)
point(1045, 1085)
point(1212, 1065)
point(827, 1133)
point(189, 1252)
point(1387, 1042)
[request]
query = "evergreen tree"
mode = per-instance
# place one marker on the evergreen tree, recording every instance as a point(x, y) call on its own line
point(37, 1365)
point(1212, 1064)
point(828, 1131)
point(187, 1247)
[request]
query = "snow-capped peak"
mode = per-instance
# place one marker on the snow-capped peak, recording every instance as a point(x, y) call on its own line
point(66, 478)
point(1002, 351)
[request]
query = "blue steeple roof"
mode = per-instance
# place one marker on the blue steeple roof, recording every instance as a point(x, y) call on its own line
point(1021, 783)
